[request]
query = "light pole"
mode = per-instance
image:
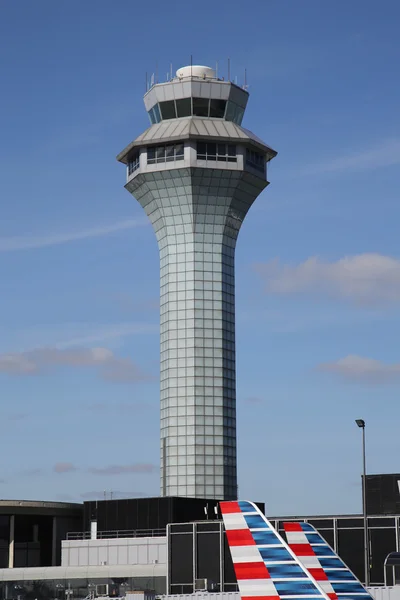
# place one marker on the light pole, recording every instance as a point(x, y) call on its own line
point(361, 424)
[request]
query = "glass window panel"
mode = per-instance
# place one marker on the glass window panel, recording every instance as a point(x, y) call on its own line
point(221, 149)
point(238, 116)
point(184, 107)
point(152, 116)
point(168, 109)
point(217, 108)
point(231, 150)
point(211, 151)
point(179, 150)
point(160, 152)
point(200, 107)
point(157, 114)
point(230, 111)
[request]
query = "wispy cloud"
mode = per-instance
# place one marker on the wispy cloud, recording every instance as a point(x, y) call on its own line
point(64, 467)
point(29, 242)
point(119, 407)
point(123, 469)
point(364, 279)
point(109, 366)
point(254, 400)
point(360, 369)
point(385, 153)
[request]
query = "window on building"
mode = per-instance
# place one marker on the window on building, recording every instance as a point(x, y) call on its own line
point(165, 153)
point(168, 109)
point(234, 113)
point(154, 114)
point(217, 108)
point(255, 160)
point(214, 151)
point(184, 107)
point(200, 107)
point(133, 162)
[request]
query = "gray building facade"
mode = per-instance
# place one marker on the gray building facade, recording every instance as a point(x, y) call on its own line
point(196, 173)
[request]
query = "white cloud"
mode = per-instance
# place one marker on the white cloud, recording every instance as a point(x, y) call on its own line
point(109, 366)
point(361, 369)
point(10, 244)
point(364, 279)
point(379, 154)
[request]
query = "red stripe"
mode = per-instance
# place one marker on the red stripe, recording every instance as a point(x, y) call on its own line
point(240, 537)
point(302, 549)
point(292, 527)
point(260, 597)
point(332, 596)
point(229, 507)
point(251, 570)
point(318, 574)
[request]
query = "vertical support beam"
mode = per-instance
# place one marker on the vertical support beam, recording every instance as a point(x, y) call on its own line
point(335, 536)
point(221, 559)
point(35, 533)
point(11, 543)
point(194, 534)
point(54, 543)
point(364, 490)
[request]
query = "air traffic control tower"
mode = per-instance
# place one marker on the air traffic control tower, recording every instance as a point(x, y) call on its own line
point(196, 172)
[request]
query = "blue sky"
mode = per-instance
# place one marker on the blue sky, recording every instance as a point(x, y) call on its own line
point(318, 261)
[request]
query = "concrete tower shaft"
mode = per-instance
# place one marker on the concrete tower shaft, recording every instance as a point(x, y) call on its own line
point(196, 178)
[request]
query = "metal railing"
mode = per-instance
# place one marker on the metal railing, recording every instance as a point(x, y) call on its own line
point(119, 533)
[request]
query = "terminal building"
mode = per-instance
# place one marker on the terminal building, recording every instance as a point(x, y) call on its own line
point(167, 545)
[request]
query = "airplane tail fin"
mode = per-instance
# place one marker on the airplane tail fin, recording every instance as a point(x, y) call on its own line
point(266, 569)
point(323, 564)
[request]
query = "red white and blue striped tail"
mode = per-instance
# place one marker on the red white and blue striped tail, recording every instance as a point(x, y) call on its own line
point(266, 569)
point(323, 564)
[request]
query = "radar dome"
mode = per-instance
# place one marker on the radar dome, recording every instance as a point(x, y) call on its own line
point(196, 71)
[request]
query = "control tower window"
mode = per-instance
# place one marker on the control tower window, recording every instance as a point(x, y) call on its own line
point(217, 108)
point(255, 160)
point(234, 113)
point(214, 151)
point(165, 153)
point(184, 107)
point(133, 162)
point(154, 114)
point(168, 110)
point(200, 107)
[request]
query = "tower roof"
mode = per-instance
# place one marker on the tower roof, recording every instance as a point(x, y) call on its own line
point(195, 128)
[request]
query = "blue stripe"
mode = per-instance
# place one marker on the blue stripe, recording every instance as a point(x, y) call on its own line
point(323, 551)
point(245, 506)
point(336, 575)
point(315, 538)
point(307, 527)
point(275, 554)
point(285, 571)
point(349, 586)
point(295, 588)
point(331, 563)
point(364, 596)
point(255, 521)
point(265, 537)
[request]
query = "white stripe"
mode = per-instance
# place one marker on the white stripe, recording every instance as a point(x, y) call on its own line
point(296, 537)
point(235, 521)
point(310, 562)
point(326, 586)
point(303, 596)
point(257, 587)
point(245, 554)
